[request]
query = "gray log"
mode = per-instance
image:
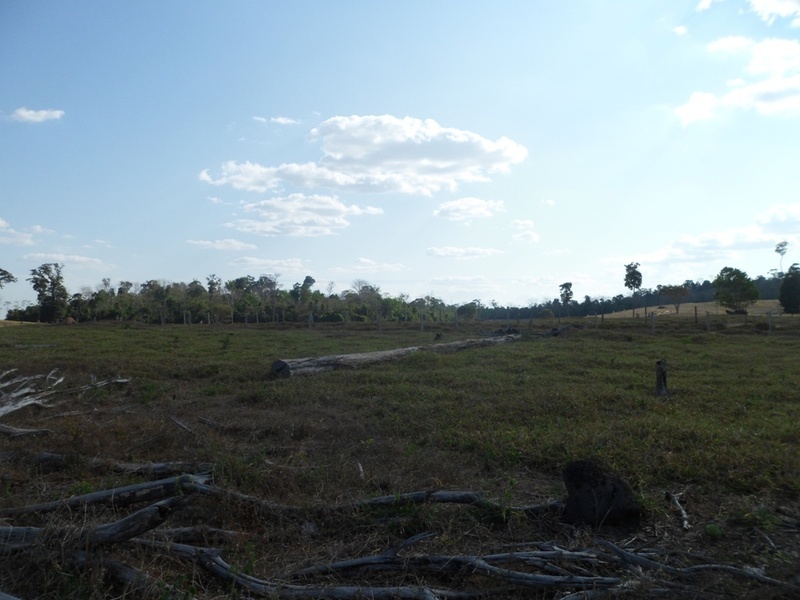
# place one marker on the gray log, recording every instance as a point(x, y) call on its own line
point(290, 367)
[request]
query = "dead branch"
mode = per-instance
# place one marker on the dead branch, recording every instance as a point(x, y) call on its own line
point(14, 539)
point(635, 559)
point(675, 500)
point(122, 496)
point(21, 391)
point(17, 432)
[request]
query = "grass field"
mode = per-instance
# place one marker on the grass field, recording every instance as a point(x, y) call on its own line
point(501, 420)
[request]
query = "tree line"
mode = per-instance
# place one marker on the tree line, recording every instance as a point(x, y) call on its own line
point(264, 299)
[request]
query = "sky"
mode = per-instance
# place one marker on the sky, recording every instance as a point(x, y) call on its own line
point(455, 148)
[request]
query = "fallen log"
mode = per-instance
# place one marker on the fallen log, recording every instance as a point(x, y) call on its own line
point(121, 496)
point(290, 367)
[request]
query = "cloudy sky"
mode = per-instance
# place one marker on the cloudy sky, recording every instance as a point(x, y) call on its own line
point(465, 149)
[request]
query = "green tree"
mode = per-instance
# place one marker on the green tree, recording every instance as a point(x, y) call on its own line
point(734, 289)
point(566, 294)
point(633, 281)
point(6, 277)
point(52, 296)
point(781, 249)
point(676, 294)
point(789, 296)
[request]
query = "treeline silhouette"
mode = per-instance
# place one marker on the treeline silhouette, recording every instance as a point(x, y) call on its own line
point(264, 300)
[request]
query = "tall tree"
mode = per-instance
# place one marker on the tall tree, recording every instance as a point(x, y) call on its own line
point(6, 277)
point(633, 281)
point(789, 296)
point(566, 294)
point(781, 249)
point(734, 289)
point(48, 283)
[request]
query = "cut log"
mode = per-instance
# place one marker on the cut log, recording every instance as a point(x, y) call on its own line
point(290, 367)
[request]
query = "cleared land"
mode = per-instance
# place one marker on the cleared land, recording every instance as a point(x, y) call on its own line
point(500, 420)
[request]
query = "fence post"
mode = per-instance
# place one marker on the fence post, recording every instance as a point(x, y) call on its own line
point(661, 378)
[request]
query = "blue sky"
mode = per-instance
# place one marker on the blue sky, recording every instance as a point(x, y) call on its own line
point(468, 150)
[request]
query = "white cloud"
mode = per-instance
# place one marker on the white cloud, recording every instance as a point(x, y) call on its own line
point(680, 30)
point(382, 153)
point(299, 215)
point(27, 115)
point(267, 265)
point(226, 244)
point(39, 229)
point(768, 10)
point(261, 119)
point(75, 261)
point(284, 121)
point(462, 253)
point(549, 202)
point(527, 234)
point(705, 4)
point(367, 265)
point(772, 89)
point(8, 235)
point(466, 209)
point(780, 222)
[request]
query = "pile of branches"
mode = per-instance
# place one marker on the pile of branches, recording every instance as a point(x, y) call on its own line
point(600, 569)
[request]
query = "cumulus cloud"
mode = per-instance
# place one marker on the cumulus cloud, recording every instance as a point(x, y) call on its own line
point(299, 215)
point(269, 265)
point(382, 153)
point(462, 253)
point(284, 121)
point(705, 4)
point(771, 85)
point(367, 265)
point(9, 235)
point(680, 30)
point(768, 10)
point(466, 209)
point(778, 223)
point(75, 261)
point(26, 115)
point(226, 244)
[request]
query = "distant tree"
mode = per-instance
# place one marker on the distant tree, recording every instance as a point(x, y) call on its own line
point(734, 289)
point(6, 277)
point(790, 291)
point(633, 280)
point(781, 249)
point(48, 283)
point(566, 294)
point(675, 294)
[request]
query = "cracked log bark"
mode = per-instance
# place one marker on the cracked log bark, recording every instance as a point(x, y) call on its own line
point(290, 367)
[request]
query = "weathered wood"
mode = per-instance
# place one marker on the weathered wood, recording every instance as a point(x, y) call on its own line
point(14, 539)
point(290, 367)
point(122, 496)
point(48, 462)
point(661, 378)
point(17, 432)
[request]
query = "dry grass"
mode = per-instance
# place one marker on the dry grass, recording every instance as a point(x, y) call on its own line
point(501, 420)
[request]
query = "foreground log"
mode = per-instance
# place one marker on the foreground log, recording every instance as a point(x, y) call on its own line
point(121, 496)
point(290, 367)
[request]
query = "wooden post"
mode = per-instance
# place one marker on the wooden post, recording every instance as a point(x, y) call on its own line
point(653, 317)
point(661, 378)
point(695, 315)
point(708, 321)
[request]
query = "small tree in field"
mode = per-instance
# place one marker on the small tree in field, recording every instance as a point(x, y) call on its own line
point(566, 294)
point(781, 249)
point(633, 281)
point(734, 289)
point(789, 296)
point(675, 294)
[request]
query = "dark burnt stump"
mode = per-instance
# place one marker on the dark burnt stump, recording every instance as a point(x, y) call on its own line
point(596, 497)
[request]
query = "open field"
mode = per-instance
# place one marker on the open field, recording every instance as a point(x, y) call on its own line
point(501, 420)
